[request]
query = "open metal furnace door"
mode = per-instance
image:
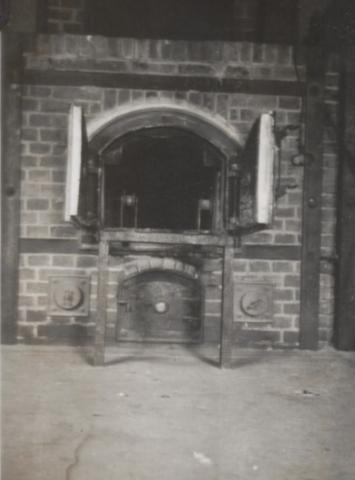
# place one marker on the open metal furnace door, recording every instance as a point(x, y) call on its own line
point(256, 177)
point(81, 205)
point(159, 305)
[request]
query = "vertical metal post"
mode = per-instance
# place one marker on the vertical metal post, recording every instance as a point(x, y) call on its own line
point(312, 199)
point(11, 175)
point(100, 326)
point(225, 358)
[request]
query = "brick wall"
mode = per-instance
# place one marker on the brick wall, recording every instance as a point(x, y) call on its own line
point(45, 116)
point(65, 16)
point(68, 16)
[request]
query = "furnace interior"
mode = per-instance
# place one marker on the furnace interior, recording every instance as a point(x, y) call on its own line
point(163, 179)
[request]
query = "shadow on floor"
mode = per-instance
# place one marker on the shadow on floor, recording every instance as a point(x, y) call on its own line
point(141, 352)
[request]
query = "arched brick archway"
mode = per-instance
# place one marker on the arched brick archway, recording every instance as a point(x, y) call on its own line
point(112, 124)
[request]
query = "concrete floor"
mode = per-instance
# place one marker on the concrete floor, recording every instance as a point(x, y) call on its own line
point(168, 413)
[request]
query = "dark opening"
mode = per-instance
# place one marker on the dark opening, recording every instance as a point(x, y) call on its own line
point(162, 178)
point(159, 305)
point(252, 20)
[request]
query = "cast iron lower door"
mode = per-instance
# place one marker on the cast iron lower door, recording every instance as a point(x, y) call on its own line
point(159, 306)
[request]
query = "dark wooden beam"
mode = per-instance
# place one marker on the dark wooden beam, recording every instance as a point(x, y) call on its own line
point(166, 238)
point(11, 185)
point(270, 252)
point(344, 327)
point(225, 357)
point(312, 199)
point(265, 252)
point(161, 82)
point(101, 314)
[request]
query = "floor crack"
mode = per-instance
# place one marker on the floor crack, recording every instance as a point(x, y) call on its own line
point(69, 470)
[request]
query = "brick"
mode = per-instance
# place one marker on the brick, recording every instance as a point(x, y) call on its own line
point(36, 287)
point(29, 189)
point(110, 99)
point(258, 53)
point(290, 103)
point(141, 49)
point(87, 261)
point(57, 204)
point(292, 281)
point(211, 334)
point(213, 292)
point(29, 134)
point(123, 96)
point(27, 161)
point(30, 104)
point(270, 53)
point(63, 261)
point(212, 51)
point(325, 334)
point(240, 265)
point(284, 54)
point(76, 93)
point(255, 337)
point(231, 51)
point(282, 322)
point(26, 332)
point(293, 118)
point(293, 225)
point(71, 333)
point(213, 307)
point(195, 98)
point(40, 91)
point(154, 49)
point(195, 69)
point(51, 105)
point(25, 301)
point(284, 294)
point(291, 337)
point(52, 161)
point(36, 316)
point(58, 177)
point(285, 238)
point(40, 260)
point(37, 231)
point(59, 14)
point(54, 135)
point(43, 275)
point(63, 231)
point(181, 96)
point(285, 212)
point(222, 105)
point(259, 238)
point(137, 95)
point(27, 274)
point(284, 73)
point(38, 175)
point(52, 190)
point(260, 266)
point(50, 218)
point(282, 267)
point(246, 52)
point(291, 308)
point(40, 148)
point(194, 51)
point(247, 115)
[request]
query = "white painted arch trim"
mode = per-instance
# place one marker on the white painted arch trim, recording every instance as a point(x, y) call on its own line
point(97, 124)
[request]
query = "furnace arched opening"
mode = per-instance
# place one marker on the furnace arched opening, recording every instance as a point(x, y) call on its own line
point(164, 179)
point(163, 167)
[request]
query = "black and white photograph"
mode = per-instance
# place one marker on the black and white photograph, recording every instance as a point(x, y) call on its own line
point(177, 239)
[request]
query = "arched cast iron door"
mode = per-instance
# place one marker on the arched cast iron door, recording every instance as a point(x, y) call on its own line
point(159, 305)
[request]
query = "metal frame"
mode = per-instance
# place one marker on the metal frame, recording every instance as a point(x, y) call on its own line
point(107, 237)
